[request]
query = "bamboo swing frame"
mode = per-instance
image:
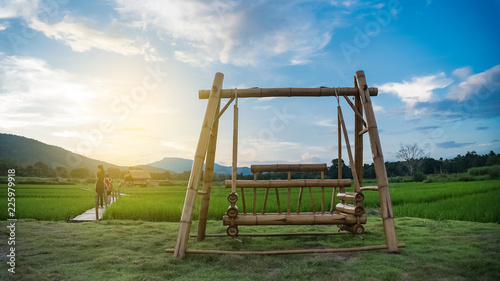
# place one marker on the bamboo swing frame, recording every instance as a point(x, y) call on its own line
point(348, 216)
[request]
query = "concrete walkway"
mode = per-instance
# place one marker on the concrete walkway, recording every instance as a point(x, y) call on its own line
point(89, 215)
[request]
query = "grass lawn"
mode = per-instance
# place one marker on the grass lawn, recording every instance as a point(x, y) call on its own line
point(451, 231)
point(134, 250)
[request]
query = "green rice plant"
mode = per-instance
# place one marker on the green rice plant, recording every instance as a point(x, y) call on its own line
point(47, 202)
point(165, 203)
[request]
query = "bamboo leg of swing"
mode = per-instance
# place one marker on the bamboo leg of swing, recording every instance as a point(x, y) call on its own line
point(358, 139)
point(207, 179)
point(378, 161)
point(194, 178)
point(349, 153)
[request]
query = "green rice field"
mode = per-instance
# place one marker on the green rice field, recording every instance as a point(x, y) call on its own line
point(466, 201)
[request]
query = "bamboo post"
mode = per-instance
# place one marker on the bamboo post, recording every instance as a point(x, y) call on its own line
point(313, 204)
point(358, 139)
point(194, 178)
point(378, 160)
point(322, 200)
point(207, 179)
point(278, 200)
point(289, 201)
point(300, 199)
point(243, 201)
point(265, 201)
point(254, 200)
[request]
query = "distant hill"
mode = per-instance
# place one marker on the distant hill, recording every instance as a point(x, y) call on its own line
point(28, 151)
point(180, 165)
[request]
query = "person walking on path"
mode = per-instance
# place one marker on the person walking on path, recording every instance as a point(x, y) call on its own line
point(108, 185)
point(99, 185)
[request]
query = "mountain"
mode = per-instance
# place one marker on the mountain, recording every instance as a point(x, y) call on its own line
point(180, 165)
point(28, 151)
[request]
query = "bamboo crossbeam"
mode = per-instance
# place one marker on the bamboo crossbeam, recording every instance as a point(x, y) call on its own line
point(286, 92)
point(337, 233)
point(291, 252)
point(303, 218)
point(288, 168)
point(291, 183)
point(371, 188)
point(356, 112)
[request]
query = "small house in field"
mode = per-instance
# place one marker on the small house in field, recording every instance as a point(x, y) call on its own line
point(138, 177)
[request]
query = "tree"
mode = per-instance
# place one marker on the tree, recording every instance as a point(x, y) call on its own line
point(81, 173)
point(61, 172)
point(114, 173)
point(411, 154)
point(333, 170)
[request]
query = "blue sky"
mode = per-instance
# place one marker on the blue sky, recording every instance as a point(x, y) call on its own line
point(118, 80)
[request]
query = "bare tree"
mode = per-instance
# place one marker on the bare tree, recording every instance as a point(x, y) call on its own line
point(411, 154)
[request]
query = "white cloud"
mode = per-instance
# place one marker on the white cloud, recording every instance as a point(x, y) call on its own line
point(308, 158)
point(481, 83)
point(326, 123)
point(264, 107)
point(4, 25)
point(378, 108)
point(18, 8)
point(82, 38)
point(69, 134)
point(236, 32)
point(419, 89)
point(34, 94)
point(463, 72)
